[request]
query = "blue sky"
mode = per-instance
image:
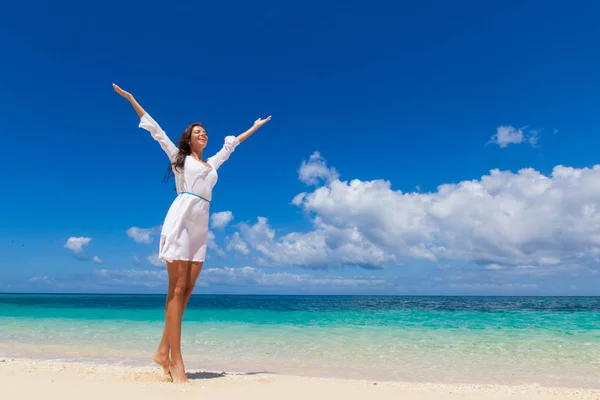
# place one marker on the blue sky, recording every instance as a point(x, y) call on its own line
point(373, 176)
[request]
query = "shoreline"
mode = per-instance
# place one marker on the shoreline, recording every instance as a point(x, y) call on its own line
point(272, 368)
point(29, 378)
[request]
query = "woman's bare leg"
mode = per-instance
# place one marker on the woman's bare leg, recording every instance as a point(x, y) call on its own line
point(162, 354)
point(175, 301)
point(193, 273)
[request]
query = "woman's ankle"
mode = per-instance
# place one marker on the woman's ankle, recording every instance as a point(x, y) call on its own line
point(176, 358)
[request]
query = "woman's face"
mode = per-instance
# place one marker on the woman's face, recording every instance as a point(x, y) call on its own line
point(198, 139)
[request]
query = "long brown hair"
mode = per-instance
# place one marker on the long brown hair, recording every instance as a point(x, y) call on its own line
point(184, 150)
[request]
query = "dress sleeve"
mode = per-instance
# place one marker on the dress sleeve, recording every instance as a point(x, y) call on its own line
point(149, 124)
point(231, 143)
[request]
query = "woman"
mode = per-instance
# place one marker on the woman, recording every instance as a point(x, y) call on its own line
point(184, 234)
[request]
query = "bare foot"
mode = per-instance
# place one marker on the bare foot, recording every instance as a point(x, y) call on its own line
point(163, 361)
point(178, 372)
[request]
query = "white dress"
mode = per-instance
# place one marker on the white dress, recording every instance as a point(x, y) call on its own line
point(184, 234)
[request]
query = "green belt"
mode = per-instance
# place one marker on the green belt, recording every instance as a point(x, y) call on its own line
point(194, 194)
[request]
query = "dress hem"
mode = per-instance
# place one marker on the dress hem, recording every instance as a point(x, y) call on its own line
point(178, 259)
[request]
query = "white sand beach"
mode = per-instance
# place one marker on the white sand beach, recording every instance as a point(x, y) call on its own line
point(34, 379)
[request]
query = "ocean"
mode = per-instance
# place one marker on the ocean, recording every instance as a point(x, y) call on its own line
point(506, 340)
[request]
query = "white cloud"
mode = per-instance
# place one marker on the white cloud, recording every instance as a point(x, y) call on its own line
point(154, 260)
point(46, 280)
point(232, 276)
point(132, 277)
point(213, 246)
point(533, 138)
point(532, 270)
point(76, 245)
point(494, 286)
point(136, 260)
point(315, 170)
point(221, 219)
point(142, 235)
point(506, 135)
point(236, 243)
point(97, 260)
point(254, 276)
point(326, 245)
point(503, 218)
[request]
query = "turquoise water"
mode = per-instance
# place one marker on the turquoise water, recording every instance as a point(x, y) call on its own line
point(544, 340)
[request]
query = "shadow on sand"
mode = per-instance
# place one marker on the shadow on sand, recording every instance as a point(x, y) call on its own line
point(213, 375)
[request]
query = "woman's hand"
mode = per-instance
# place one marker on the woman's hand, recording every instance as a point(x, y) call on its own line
point(260, 122)
point(257, 124)
point(123, 93)
point(138, 109)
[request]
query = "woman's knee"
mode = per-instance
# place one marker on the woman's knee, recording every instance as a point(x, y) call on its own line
point(178, 287)
point(177, 278)
point(179, 291)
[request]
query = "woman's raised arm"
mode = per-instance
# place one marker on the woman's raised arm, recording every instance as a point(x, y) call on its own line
point(257, 124)
point(149, 124)
point(138, 109)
